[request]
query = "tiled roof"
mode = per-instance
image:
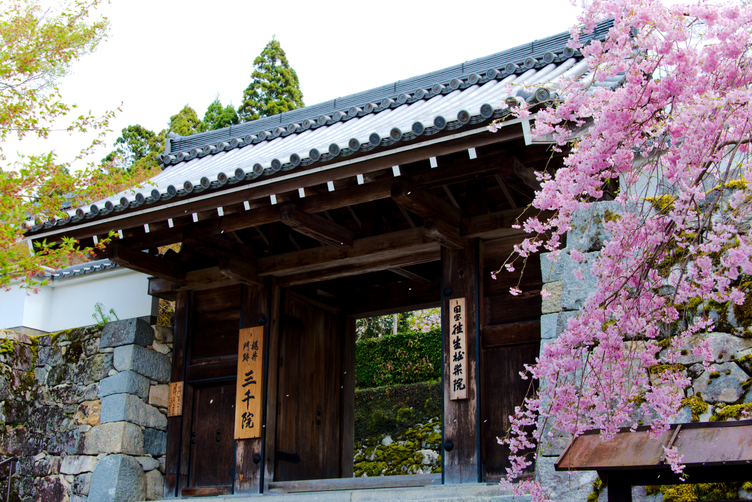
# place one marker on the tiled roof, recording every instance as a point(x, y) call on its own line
point(83, 268)
point(452, 98)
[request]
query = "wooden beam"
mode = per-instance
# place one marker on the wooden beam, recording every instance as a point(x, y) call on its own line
point(442, 232)
point(410, 275)
point(217, 247)
point(526, 174)
point(241, 271)
point(195, 280)
point(146, 263)
point(316, 227)
point(363, 251)
point(424, 203)
point(515, 333)
point(338, 271)
point(393, 297)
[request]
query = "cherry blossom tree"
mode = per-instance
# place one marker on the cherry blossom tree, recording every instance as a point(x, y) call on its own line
point(671, 146)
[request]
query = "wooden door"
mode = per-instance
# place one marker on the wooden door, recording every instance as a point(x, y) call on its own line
point(309, 421)
point(502, 390)
point(212, 436)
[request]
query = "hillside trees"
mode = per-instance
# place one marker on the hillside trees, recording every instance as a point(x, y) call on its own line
point(38, 48)
point(218, 116)
point(676, 137)
point(275, 87)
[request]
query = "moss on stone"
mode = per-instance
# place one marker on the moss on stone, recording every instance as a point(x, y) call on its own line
point(7, 347)
point(735, 411)
point(696, 406)
point(657, 369)
point(73, 352)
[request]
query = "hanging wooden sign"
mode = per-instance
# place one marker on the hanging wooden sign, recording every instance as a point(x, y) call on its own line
point(249, 391)
point(458, 376)
point(175, 400)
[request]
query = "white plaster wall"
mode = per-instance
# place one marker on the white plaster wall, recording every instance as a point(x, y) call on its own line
point(69, 303)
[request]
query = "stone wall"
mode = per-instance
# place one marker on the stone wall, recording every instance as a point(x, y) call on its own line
point(722, 392)
point(85, 411)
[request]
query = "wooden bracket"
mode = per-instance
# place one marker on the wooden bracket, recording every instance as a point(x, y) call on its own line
point(442, 232)
point(424, 203)
point(146, 263)
point(316, 227)
point(240, 271)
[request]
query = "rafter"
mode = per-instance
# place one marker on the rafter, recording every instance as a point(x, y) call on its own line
point(316, 227)
point(146, 263)
point(444, 233)
point(424, 203)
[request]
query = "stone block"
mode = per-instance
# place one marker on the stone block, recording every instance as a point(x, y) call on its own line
point(159, 395)
point(88, 413)
point(76, 464)
point(160, 347)
point(12, 441)
point(550, 269)
point(723, 346)
point(148, 463)
point(118, 478)
point(574, 486)
point(143, 361)
point(129, 408)
point(53, 489)
point(116, 437)
point(163, 333)
point(155, 442)
point(587, 230)
point(127, 332)
point(548, 326)
point(68, 442)
point(125, 382)
point(82, 483)
point(552, 303)
point(575, 291)
point(723, 383)
point(154, 485)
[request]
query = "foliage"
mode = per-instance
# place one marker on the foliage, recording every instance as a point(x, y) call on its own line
point(388, 410)
point(679, 125)
point(398, 359)
point(275, 87)
point(217, 116)
point(101, 317)
point(137, 147)
point(418, 320)
point(38, 47)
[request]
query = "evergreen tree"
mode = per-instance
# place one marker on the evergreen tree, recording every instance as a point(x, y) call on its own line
point(275, 87)
point(217, 116)
point(185, 122)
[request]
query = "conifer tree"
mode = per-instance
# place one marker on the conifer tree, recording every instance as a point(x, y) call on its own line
point(218, 116)
point(275, 87)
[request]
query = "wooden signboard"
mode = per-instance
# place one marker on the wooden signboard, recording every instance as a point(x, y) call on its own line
point(457, 350)
point(249, 396)
point(175, 400)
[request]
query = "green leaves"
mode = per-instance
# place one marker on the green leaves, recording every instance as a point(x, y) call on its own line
point(275, 87)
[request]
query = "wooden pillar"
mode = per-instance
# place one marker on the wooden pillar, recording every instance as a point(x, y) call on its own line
point(459, 280)
point(347, 400)
point(177, 470)
point(248, 452)
point(272, 379)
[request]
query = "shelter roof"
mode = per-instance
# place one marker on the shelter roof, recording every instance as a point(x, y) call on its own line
point(250, 154)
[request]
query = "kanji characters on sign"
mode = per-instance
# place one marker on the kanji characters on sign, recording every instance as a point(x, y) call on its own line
point(250, 385)
point(458, 377)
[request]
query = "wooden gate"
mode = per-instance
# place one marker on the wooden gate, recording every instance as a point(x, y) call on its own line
point(309, 438)
point(212, 442)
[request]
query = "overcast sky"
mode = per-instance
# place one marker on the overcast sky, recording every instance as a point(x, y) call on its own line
point(162, 55)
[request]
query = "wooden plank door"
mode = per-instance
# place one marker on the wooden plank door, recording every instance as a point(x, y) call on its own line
point(502, 390)
point(309, 393)
point(212, 441)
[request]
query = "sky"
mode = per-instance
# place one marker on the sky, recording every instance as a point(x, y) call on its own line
point(163, 54)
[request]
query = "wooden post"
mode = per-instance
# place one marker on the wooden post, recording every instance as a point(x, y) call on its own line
point(270, 417)
point(248, 463)
point(461, 454)
point(176, 474)
point(347, 401)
